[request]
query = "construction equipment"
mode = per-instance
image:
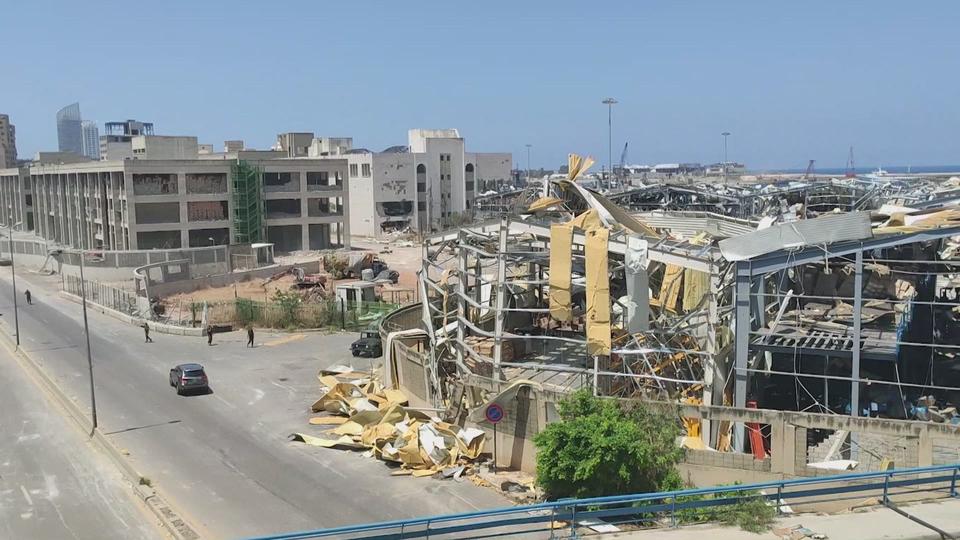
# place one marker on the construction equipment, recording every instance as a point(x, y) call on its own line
point(851, 171)
point(621, 172)
point(809, 170)
point(247, 216)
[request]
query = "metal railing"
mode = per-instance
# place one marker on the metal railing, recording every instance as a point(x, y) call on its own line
point(543, 518)
point(104, 295)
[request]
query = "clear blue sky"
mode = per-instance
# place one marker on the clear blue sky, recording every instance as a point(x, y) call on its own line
point(791, 81)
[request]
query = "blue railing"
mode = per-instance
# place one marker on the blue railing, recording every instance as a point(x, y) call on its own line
point(644, 507)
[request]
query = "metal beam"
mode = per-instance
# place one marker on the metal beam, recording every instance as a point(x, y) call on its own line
point(501, 296)
point(857, 314)
point(741, 343)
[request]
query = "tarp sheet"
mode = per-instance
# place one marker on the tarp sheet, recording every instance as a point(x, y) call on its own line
point(598, 292)
point(561, 265)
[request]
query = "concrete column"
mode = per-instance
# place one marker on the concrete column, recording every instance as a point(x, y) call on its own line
point(741, 345)
point(857, 315)
point(500, 315)
point(924, 448)
point(638, 288)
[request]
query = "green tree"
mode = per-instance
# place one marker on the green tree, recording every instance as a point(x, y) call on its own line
point(599, 448)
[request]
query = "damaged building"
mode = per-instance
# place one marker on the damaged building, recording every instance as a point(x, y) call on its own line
point(835, 303)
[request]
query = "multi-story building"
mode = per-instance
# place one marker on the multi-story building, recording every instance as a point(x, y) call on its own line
point(91, 139)
point(424, 186)
point(117, 140)
point(164, 147)
point(8, 143)
point(171, 203)
point(69, 130)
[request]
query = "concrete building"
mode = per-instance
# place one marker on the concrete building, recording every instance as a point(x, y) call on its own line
point(164, 147)
point(232, 146)
point(294, 144)
point(91, 139)
point(204, 149)
point(116, 142)
point(424, 186)
point(172, 203)
point(8, 143)
point(69, 130)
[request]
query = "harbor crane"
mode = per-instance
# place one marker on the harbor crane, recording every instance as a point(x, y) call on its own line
point(809, 170)
point(622, 173)
point(851, 171)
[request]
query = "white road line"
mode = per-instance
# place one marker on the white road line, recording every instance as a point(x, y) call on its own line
point(225, 402)
point(26, 495)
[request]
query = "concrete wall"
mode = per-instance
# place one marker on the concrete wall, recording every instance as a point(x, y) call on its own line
point(223, 280)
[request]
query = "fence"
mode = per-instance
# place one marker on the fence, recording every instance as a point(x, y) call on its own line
point(644, 508)
point(293, 313)
point(104, 295)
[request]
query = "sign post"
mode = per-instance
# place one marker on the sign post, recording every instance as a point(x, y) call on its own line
point(494, 414)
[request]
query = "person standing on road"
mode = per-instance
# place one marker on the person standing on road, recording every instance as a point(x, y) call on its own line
point(29, 297)
point(250, 336)
point(209, 334)
point(146, 333)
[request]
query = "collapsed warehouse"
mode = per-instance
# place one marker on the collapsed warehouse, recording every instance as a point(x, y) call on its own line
point(845, 306)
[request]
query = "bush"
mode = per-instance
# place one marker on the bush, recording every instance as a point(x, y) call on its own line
point(598, 448)
point(751, 512)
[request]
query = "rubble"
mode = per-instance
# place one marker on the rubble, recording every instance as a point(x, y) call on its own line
point(369, 417)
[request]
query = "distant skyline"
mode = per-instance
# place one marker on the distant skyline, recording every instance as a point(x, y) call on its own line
point(790, 82)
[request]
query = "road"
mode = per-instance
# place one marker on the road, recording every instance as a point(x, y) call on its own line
point(55, 483)
point(224, 458)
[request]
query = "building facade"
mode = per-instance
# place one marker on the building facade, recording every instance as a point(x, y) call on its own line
point(428, 185)
point(91, 139)
point(69, 130)
point(116, 142)
point(8, 143)
point(151, 204)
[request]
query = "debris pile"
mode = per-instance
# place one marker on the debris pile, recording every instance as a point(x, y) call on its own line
point(369, 417)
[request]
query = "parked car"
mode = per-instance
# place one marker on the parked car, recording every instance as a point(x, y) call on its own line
point(189, 378)
point(368, 345)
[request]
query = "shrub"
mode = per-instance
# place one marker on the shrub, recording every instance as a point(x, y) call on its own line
point(598, 448)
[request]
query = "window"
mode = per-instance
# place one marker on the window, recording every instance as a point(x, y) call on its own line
point(422, 206)
point(316, 179)
point(366, 170)
point(421, 187)
point(353, 169)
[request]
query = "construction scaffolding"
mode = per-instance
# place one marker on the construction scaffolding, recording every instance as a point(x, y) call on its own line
point(248, 215)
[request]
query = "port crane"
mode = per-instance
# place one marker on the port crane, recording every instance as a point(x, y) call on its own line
point(851, 171)
point(809, 170)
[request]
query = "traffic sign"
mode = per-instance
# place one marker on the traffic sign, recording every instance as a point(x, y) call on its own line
point(494, 413)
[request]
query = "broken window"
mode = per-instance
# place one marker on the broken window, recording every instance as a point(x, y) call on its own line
point(207, 183)
point(155, 184)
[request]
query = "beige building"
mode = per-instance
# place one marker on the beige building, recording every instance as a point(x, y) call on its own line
point(8, 143)
point(171, 203)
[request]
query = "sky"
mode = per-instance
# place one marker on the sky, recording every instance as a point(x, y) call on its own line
point(790, 81)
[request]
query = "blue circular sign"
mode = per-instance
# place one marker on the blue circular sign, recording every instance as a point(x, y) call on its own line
point(494, 413)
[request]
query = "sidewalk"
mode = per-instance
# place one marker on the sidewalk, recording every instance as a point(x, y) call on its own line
point(869, 524)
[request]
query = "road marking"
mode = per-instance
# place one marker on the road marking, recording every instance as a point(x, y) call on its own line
point(51, 482)
point(288, 339)
point(26, 495)
point(260, 393)
point(225, 402)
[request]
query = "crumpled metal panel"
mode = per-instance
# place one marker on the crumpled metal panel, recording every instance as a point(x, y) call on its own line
point(822, 230)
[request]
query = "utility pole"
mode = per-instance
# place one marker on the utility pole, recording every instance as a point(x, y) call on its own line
point(725, 135)
point(86, 333)
point(528, 163)
point(609, 102)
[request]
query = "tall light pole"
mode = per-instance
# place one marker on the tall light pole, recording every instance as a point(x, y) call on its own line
point(86, 333)
point(528, 163)
point(725, 134)
point(13, 277)
point(609, 102)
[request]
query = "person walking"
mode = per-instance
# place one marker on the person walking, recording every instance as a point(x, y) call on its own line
point(146, 333)
point(250, 336)
point(209, 334)
point(29, 297)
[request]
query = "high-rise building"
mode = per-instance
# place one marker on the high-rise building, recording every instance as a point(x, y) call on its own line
point(8, 143)
point(69, 130)
point(91, 139)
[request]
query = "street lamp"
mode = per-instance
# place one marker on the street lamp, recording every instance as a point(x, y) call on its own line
point(528, 163)
point(609, 102)
point(13, 278)
point(725, 134)
point(86, 333)
point(212, 241)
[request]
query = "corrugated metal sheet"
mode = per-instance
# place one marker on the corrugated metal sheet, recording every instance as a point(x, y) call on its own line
point(688, 224)
point(822, 230)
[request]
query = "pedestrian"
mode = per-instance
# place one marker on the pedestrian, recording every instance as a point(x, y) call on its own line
point(29, 296)
point(146, 333)
point(209, 334)
point(250, 336)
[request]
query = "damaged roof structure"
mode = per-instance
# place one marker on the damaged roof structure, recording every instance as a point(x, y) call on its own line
point(829, 296)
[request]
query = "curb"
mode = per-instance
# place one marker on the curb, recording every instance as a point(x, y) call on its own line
point(171, 521)
point(159, 328)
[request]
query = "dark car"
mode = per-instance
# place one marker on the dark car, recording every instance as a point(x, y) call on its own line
point(368, 345)
point(189, 378)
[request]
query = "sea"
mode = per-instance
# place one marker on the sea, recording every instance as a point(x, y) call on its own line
point(891, 169)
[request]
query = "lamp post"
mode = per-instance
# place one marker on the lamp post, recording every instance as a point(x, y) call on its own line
point(13, 278)
point(86, 333)
point(609, 102)
point(725, 134)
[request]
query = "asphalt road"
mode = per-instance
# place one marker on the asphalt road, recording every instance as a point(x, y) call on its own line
point(223, 459)
point(54, 483)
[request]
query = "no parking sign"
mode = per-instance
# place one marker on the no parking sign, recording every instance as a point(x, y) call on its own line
point(494, 413)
